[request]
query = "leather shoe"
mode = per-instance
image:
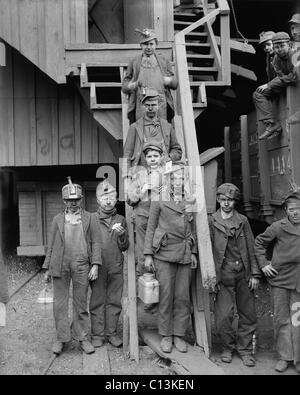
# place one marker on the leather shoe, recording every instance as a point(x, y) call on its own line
point(270, 130)
point(57, 347)
point(295, 118)
point(226, 356)
point(166, 344)
point(97, 342)
point(248, 360)
point(180, 344)
point(281, 366)
point(115, 341)
point(87, 347)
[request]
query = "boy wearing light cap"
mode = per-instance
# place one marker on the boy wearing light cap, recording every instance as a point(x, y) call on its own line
point(149, 71)
point(145, 187)
point(285, 75)
point(105, 303)
point(283, 273)
point(237, 275)
point(72, 248)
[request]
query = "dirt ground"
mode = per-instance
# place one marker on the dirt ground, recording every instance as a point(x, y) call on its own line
point(25, 343)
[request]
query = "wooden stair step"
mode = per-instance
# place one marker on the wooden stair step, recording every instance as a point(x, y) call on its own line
point(200, 45)
point(186, 14)
point(182, 23)
point(203, 69)
point(199, 56)
point(108, 84)
point(194, 34)
point(106, 106)
point(199, 105)
point(207, 83)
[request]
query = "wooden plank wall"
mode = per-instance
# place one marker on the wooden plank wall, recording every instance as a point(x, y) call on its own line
point(40, 29)
point(43, 123)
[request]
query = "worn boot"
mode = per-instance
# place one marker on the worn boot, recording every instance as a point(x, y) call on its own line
point(271, 128)
point(57, 347)
point(180, 344)
point(166, 344)
point(295, 118)
point(115, 341)
point(226, 355)
point(281, 366)
point(248, 360)
point(87, 347)
point(97, 342)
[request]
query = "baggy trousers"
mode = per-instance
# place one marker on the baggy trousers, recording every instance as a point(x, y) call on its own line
point(78, 273)
point(263, 102)
point(235, 293)
point(141, 222)
point(105, 302)
point(287, 323)
point(174, 297)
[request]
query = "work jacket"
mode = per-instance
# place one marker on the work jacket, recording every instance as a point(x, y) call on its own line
point(285, 71)
point(135, 140)
point(112, 244)
point(56, 245)
point(245, 243)
point(285, 238)
point(171, 233)
point(132, 74)
point(3, 281)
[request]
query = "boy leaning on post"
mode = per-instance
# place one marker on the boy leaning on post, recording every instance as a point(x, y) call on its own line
point(283, 273)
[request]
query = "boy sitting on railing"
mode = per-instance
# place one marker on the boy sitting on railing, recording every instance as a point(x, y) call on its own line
point(286, 75)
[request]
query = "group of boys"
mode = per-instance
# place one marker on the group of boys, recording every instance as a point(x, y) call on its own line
point(281, 58)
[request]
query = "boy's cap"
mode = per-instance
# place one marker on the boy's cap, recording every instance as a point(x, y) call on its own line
point(147, 35)
point(153, 145)
point(103, 188)
point(175, 167)
point(265, 36)
point(295, 19)
point(281, 37)
point(150, 94)
point(292, 195)
point(229, 190)
point(71, 191)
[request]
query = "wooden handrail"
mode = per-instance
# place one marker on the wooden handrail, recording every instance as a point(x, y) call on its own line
point(200, 22)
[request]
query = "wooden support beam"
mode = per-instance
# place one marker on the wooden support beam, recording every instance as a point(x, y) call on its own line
point(245, 165)
point(238, 46)
point(227, 156)
point(225, 48)
point(2, 54)
point(83, 75)
point(243, 72)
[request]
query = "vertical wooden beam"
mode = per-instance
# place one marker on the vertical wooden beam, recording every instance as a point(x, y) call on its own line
point(130, 316)
point(39, 216)
point(227, 154)
point(225, 48)
point(245, 164)
point(206, 276)
point(77, 129)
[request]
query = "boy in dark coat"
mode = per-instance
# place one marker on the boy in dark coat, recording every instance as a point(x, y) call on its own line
point(237, 275)
point(105, 303)
point(285, 75)
point(283, 274)
point(149, 71)
point(72, 248)
point(170, 250)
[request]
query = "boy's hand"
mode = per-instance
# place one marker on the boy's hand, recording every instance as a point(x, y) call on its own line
point(145, 188)
point(167, 81)
point(269, 270)
point(149, 264)
point(47, 276)
point(93, 274)
point(262, 88)
point(120, 230)
point(194, 261)
point(253, 283)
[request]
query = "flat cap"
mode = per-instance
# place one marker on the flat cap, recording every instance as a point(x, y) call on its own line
point(104, 188)
point(295, 19)
point(153, 145)
point(265, 36)
point(229, 190)
point(281, 37)
point(150, 94)
point(147, 35)
point(291, 195)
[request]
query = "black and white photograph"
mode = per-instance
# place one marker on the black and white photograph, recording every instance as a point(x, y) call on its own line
point(149, 190)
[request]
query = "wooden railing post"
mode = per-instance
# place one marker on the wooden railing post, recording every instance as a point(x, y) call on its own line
point(225, 45)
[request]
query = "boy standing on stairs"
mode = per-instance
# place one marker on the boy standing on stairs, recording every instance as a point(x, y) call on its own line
point(105, 303)
point(144, 188)
point(237, 275)
point(149, 71)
